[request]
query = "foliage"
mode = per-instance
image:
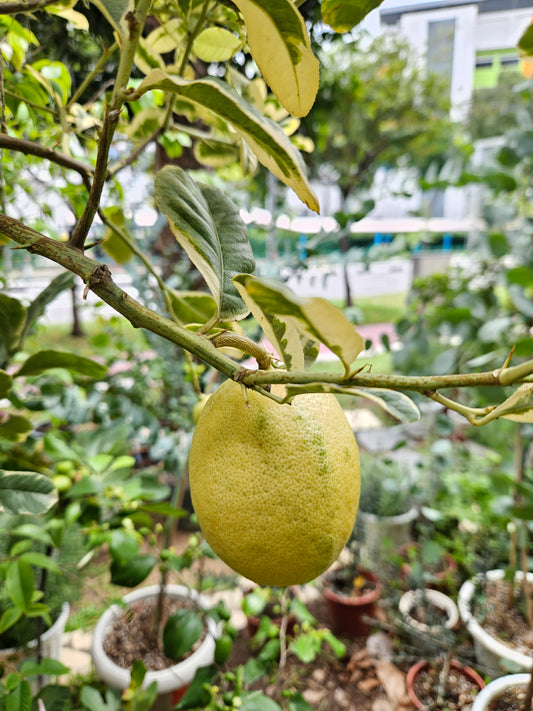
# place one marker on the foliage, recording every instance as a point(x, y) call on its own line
point(199, 83)
point(389, 487)
point(391, 112)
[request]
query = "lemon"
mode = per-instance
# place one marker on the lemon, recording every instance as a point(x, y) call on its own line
point(275, 487)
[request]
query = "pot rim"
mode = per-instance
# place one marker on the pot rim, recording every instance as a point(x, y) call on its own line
point(423, 663)
point(496, 686)
point(404, 517)
point(171, 678)
point(437, 598)
point(369, 597)
point(487, 640)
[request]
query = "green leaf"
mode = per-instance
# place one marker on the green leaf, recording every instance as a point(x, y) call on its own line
point(40, 560)
point(305, 647)
point(267, 140)
point(338, 647)
point(133, 572)
point(257, 701)
point(181, 631)
point(395, 403)
point(20, 698)
point(342, 16)
point(112, 243)
point(44, 360)
point(209, 228)
point(193, 306)
point(518, 406)
point(56, 697)
point(216, 44)
point(138, 672)
point(522, 302)
point(525, 43)
point(123, 546)
point(9, 618)
point(12, 319)
point(298, 703)
point(32, 531)
point(114, 11)
point(48, 667)
point(197, 694)
point(13, 426)
point(5, 383)
point(20, 584)
point(492, 331)
point(285, 317)
point(301, 612)
point(280, 45)
point(523, 276)
point(25, 492)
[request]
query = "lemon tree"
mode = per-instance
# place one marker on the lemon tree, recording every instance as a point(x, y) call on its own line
point(275, 487)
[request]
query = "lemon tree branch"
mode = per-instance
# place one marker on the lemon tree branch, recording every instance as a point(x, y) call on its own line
point(97, 278)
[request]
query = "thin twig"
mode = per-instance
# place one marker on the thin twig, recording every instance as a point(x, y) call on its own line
point(12, 8)
point(21, 145)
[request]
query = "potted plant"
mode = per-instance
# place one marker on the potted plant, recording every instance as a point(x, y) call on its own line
point(427, 616)
point(170, 629)
point(443, 683)
point(386, 510)
point(352, 593)
point(512, 692)
point(186, 625)
point(495, 654)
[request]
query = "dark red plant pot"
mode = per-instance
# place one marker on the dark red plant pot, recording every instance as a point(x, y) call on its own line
point(349, 614)
point(413, 672)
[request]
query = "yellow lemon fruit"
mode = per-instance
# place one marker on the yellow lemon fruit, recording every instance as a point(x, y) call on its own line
point(275, 487)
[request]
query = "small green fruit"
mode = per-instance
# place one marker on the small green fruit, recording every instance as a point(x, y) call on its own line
point(197, 409)
point(223, 648)
point(62, 482)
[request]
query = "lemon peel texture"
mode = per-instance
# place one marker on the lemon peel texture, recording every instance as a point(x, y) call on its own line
point(275, 487)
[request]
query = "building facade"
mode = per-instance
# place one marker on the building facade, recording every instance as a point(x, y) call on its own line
point(469, 42)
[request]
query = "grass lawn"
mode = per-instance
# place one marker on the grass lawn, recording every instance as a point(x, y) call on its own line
point(383, 308)
point(99, 336)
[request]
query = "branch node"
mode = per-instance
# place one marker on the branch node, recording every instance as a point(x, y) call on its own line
point(99, 274)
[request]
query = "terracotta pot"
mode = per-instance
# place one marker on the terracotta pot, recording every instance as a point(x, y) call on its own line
point(497, 687)
point(415, 670)
point(348, 612)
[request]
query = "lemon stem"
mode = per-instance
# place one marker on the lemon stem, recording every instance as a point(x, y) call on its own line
point(228, 339)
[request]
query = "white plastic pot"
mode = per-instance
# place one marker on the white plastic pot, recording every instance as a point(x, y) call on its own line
point(170, 680)
point(492, 655)
point(496, 687)
point(413, 597)
point(51, 643)
point(384, 534)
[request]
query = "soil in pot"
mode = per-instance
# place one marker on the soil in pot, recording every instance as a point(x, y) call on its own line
point(505, 622)
point(352, 584)
point(510, 700)
point(462, 685)
point(132, 637)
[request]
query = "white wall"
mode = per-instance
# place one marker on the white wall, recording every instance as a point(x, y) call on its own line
point(414, 26)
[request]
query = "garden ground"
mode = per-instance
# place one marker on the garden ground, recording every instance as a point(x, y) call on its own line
point(368, 678)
